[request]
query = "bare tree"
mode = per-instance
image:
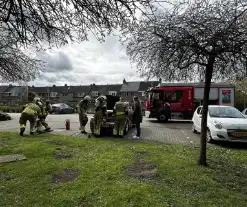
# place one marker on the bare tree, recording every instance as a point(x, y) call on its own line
point(59, 21)
point(15, 64)
point(55, 23)
point(203, 36)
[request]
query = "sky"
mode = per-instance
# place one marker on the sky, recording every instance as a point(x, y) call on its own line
point(86, 63)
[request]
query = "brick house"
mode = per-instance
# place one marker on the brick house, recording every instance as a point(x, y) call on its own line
point(129, 89)
point(42, 92)
point(2, 94)
point(12, 95)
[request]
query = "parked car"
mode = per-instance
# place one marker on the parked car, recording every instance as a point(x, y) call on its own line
point(225, 123)
point(244, 112)
point(4, 116)
point(62, 108)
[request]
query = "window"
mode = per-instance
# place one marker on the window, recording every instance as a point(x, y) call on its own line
point(95, 93)
point(112, 93)
point(167, 95)
point(80, 94)
point(53, 94)
point(132, 93)
point(176, 96)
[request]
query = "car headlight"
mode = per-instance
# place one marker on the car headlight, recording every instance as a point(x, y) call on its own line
point(218, 125)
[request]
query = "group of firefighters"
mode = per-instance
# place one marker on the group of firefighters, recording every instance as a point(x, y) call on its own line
point(37, 111)
point(120, 109)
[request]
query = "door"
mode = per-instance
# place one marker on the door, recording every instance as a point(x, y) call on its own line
point(197, 118)
point(177, 100)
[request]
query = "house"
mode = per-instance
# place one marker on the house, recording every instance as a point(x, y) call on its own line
point(42, 92)
point(14, 95)
point(129, 90)
point(2, 93)
point(144, 86)
point(76, 93)
point(112, 89)
point(60, 94)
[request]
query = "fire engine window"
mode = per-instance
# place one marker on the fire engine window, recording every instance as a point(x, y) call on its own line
point(176, 96)
point(167, 96)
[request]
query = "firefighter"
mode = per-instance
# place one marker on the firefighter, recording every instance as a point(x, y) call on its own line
point(45, 110)
point(120, 111)
point(82, 108)
point(30, 113)
point(100, 110)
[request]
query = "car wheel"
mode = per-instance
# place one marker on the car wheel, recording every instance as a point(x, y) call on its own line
point(163, 118)
point(194, 128)
point(209, 136)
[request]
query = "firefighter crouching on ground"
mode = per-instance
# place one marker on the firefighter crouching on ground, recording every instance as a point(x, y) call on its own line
point(30, 113)
point(45, 110)
point(100, 110)
point(82, 108)
point(120, 111)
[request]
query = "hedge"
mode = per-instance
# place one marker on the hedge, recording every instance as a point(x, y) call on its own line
point(11, 109)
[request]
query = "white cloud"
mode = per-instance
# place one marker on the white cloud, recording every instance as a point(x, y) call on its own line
point(86, 63)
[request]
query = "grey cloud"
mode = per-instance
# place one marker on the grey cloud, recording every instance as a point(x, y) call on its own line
point(56, 61)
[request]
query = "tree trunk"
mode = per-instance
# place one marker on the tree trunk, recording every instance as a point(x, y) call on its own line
point(208, 76)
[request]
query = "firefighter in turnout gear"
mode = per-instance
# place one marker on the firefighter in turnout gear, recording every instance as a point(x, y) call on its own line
point(45, 110)
point(120, 112)
point(100, 110)
point(30, 113)
point(82, 108)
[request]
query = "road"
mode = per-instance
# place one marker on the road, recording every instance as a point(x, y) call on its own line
point(178, 132)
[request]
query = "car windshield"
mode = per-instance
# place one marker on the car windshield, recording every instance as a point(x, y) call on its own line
point(225, 112)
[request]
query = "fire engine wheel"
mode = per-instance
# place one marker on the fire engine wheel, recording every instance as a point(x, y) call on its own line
point(163, 118)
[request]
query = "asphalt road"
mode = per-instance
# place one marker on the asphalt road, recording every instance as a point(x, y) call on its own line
point(176, 132)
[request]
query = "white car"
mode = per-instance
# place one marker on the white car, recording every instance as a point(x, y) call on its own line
point(224, 123)
point(244, 112)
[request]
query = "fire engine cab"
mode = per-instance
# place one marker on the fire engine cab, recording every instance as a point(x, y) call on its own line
point(179, 100)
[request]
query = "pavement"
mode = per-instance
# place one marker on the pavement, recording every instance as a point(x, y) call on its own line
point(175, 132)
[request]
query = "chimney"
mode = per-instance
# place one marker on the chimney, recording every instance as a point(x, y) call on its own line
point(160, 80)
point(65, 85)
point(54, 86)
point(124, 81)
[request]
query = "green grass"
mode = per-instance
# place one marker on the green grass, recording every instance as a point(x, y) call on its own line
point(103, 180)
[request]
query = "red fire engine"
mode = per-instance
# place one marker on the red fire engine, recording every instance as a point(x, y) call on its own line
point(168, 101)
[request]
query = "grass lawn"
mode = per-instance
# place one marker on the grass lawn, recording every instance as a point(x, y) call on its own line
point(69, 171)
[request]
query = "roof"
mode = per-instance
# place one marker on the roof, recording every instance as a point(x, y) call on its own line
point(60, 89)
point(144, 85)
point(78, 89)
point(16, 89)
point(104, 89)
point(194, 84)
point(39, 89)
point(3, 88)
point(130, 87)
